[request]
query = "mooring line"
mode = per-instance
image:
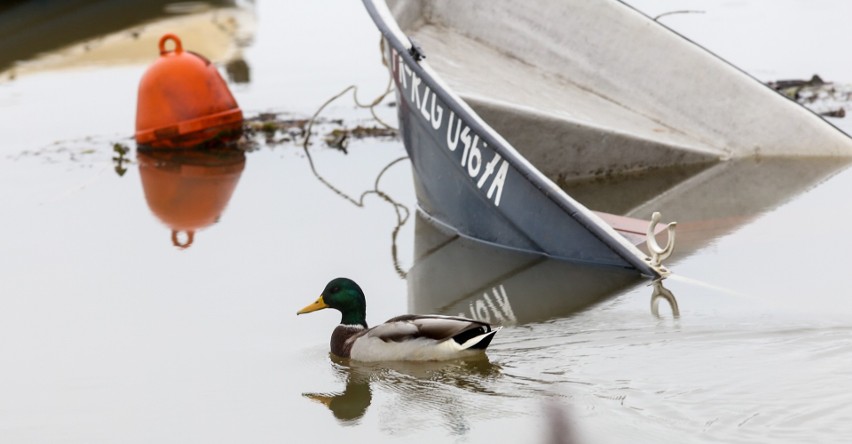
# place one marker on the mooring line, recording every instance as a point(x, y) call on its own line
point(700, 283)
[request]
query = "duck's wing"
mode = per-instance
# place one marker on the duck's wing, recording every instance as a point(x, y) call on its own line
point(423, 338)
point(435, 327)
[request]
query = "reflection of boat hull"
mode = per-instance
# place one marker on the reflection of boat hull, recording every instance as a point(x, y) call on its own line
point(455, 275)
point(715, 201)
point(469, 177)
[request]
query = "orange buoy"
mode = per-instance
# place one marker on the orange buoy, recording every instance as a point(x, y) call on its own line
point(189, 189)
point(183, 101)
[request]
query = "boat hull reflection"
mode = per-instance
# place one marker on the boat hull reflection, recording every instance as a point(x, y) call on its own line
point(455, 275)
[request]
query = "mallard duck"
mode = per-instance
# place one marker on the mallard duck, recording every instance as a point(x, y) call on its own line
point(403, 338)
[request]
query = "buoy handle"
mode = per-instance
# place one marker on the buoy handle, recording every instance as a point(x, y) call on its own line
point(178, 45)
point(190, 235)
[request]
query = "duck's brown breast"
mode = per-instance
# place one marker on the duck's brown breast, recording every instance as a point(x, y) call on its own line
point(343, 337)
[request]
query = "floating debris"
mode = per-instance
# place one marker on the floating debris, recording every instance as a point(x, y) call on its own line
point(824, 98)
point(337, 138)
point(361, 132)
point(269, 129)
point(85, 152)
point(270, 125)
point(277, 129)
point(839, 112)
point(121, 159)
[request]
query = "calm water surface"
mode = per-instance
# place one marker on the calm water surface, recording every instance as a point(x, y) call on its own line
point(111, 333)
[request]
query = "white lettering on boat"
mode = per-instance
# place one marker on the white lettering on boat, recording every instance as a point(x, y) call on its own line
point(415, 98)
point(436, 120)
point(489, 168)
point(402, 73)
point(467, 141)
point(498, 182)
point(453, 141)
point(425, 100)
point(494, 307)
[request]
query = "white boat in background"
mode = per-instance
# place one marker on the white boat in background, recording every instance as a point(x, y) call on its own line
point(60, 35)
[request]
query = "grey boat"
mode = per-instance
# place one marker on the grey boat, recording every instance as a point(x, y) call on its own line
point(499, 101)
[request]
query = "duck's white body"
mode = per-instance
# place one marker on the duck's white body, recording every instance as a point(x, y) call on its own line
point(415, 338)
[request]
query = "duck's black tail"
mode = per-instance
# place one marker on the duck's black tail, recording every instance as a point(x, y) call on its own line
point(484, 341)
point(479, 341)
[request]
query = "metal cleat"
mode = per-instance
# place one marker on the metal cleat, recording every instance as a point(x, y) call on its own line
point(659, 254)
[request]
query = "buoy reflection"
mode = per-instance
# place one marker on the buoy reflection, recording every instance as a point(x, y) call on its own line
point(187, 190)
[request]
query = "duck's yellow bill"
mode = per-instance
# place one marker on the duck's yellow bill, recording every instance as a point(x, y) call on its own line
point(318, 305)
point(323, 399)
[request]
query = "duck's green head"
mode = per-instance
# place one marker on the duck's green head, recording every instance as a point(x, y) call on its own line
point(344, 295)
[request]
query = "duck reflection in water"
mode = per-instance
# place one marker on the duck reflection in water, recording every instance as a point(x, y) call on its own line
point(349, 405)
point(424, 383)
point(188, 189)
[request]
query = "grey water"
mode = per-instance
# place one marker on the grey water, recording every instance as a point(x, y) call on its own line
point(112, 329)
